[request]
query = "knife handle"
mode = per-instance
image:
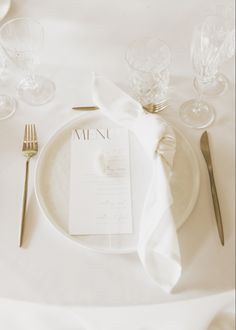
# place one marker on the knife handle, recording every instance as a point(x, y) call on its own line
point(216, 205)
point(88, 108)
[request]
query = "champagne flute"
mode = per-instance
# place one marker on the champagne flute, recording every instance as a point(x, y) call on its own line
point(197, 113)
point(218, 35)
point(22, 40)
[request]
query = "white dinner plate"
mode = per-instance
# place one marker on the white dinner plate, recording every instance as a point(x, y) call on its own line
point(52, 184)
point(4, 8)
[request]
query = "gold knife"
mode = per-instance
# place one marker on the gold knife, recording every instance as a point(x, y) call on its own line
point(205, 148)
point(84, 108)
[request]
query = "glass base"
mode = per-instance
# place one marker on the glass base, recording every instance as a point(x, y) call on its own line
point(7, 106)
point(218, 87)
point(37, 92)
point(197, 114)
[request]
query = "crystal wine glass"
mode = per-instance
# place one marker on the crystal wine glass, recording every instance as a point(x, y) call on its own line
point(7, 103)
point(218, 38)
point(22, 40)
point(197, 113)
point(149, 60)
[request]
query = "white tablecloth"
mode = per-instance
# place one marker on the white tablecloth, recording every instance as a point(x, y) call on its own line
point(207, 313)
point(81, 37)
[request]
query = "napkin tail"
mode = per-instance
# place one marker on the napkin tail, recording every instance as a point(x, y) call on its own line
point(163, 267)
point(158, 246)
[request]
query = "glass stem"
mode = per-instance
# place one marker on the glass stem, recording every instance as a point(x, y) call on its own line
point(199, 98)
point(31, 78)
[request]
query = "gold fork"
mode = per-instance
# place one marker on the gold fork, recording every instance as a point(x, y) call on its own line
point(29, 149)
point(156, 107)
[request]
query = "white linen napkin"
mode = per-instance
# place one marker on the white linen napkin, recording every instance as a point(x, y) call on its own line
point(158, 246)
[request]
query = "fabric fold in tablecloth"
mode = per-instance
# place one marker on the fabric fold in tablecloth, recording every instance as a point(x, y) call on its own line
point(158, 246)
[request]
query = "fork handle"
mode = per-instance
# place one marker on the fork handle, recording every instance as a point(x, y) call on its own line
point(21, 229)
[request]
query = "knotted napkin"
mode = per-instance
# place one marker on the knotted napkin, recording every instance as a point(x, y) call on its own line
point(158, 246)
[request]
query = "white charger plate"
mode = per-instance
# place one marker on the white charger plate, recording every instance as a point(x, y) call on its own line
point(4, 8)
point(53, 174)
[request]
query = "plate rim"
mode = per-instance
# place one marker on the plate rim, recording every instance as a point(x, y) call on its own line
point(53, 223)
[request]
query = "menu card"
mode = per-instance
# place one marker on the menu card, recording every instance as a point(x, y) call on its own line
point(100, 193)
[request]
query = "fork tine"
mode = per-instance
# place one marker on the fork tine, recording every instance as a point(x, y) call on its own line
point(31, 137)
point(28, 137)
point(160, 107)
point(161, 104)
point(25, 138)
point(34, 133)
point(25, 135)
point(35, 138)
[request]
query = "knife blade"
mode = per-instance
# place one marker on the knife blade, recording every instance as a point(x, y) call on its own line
point(205, 148)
